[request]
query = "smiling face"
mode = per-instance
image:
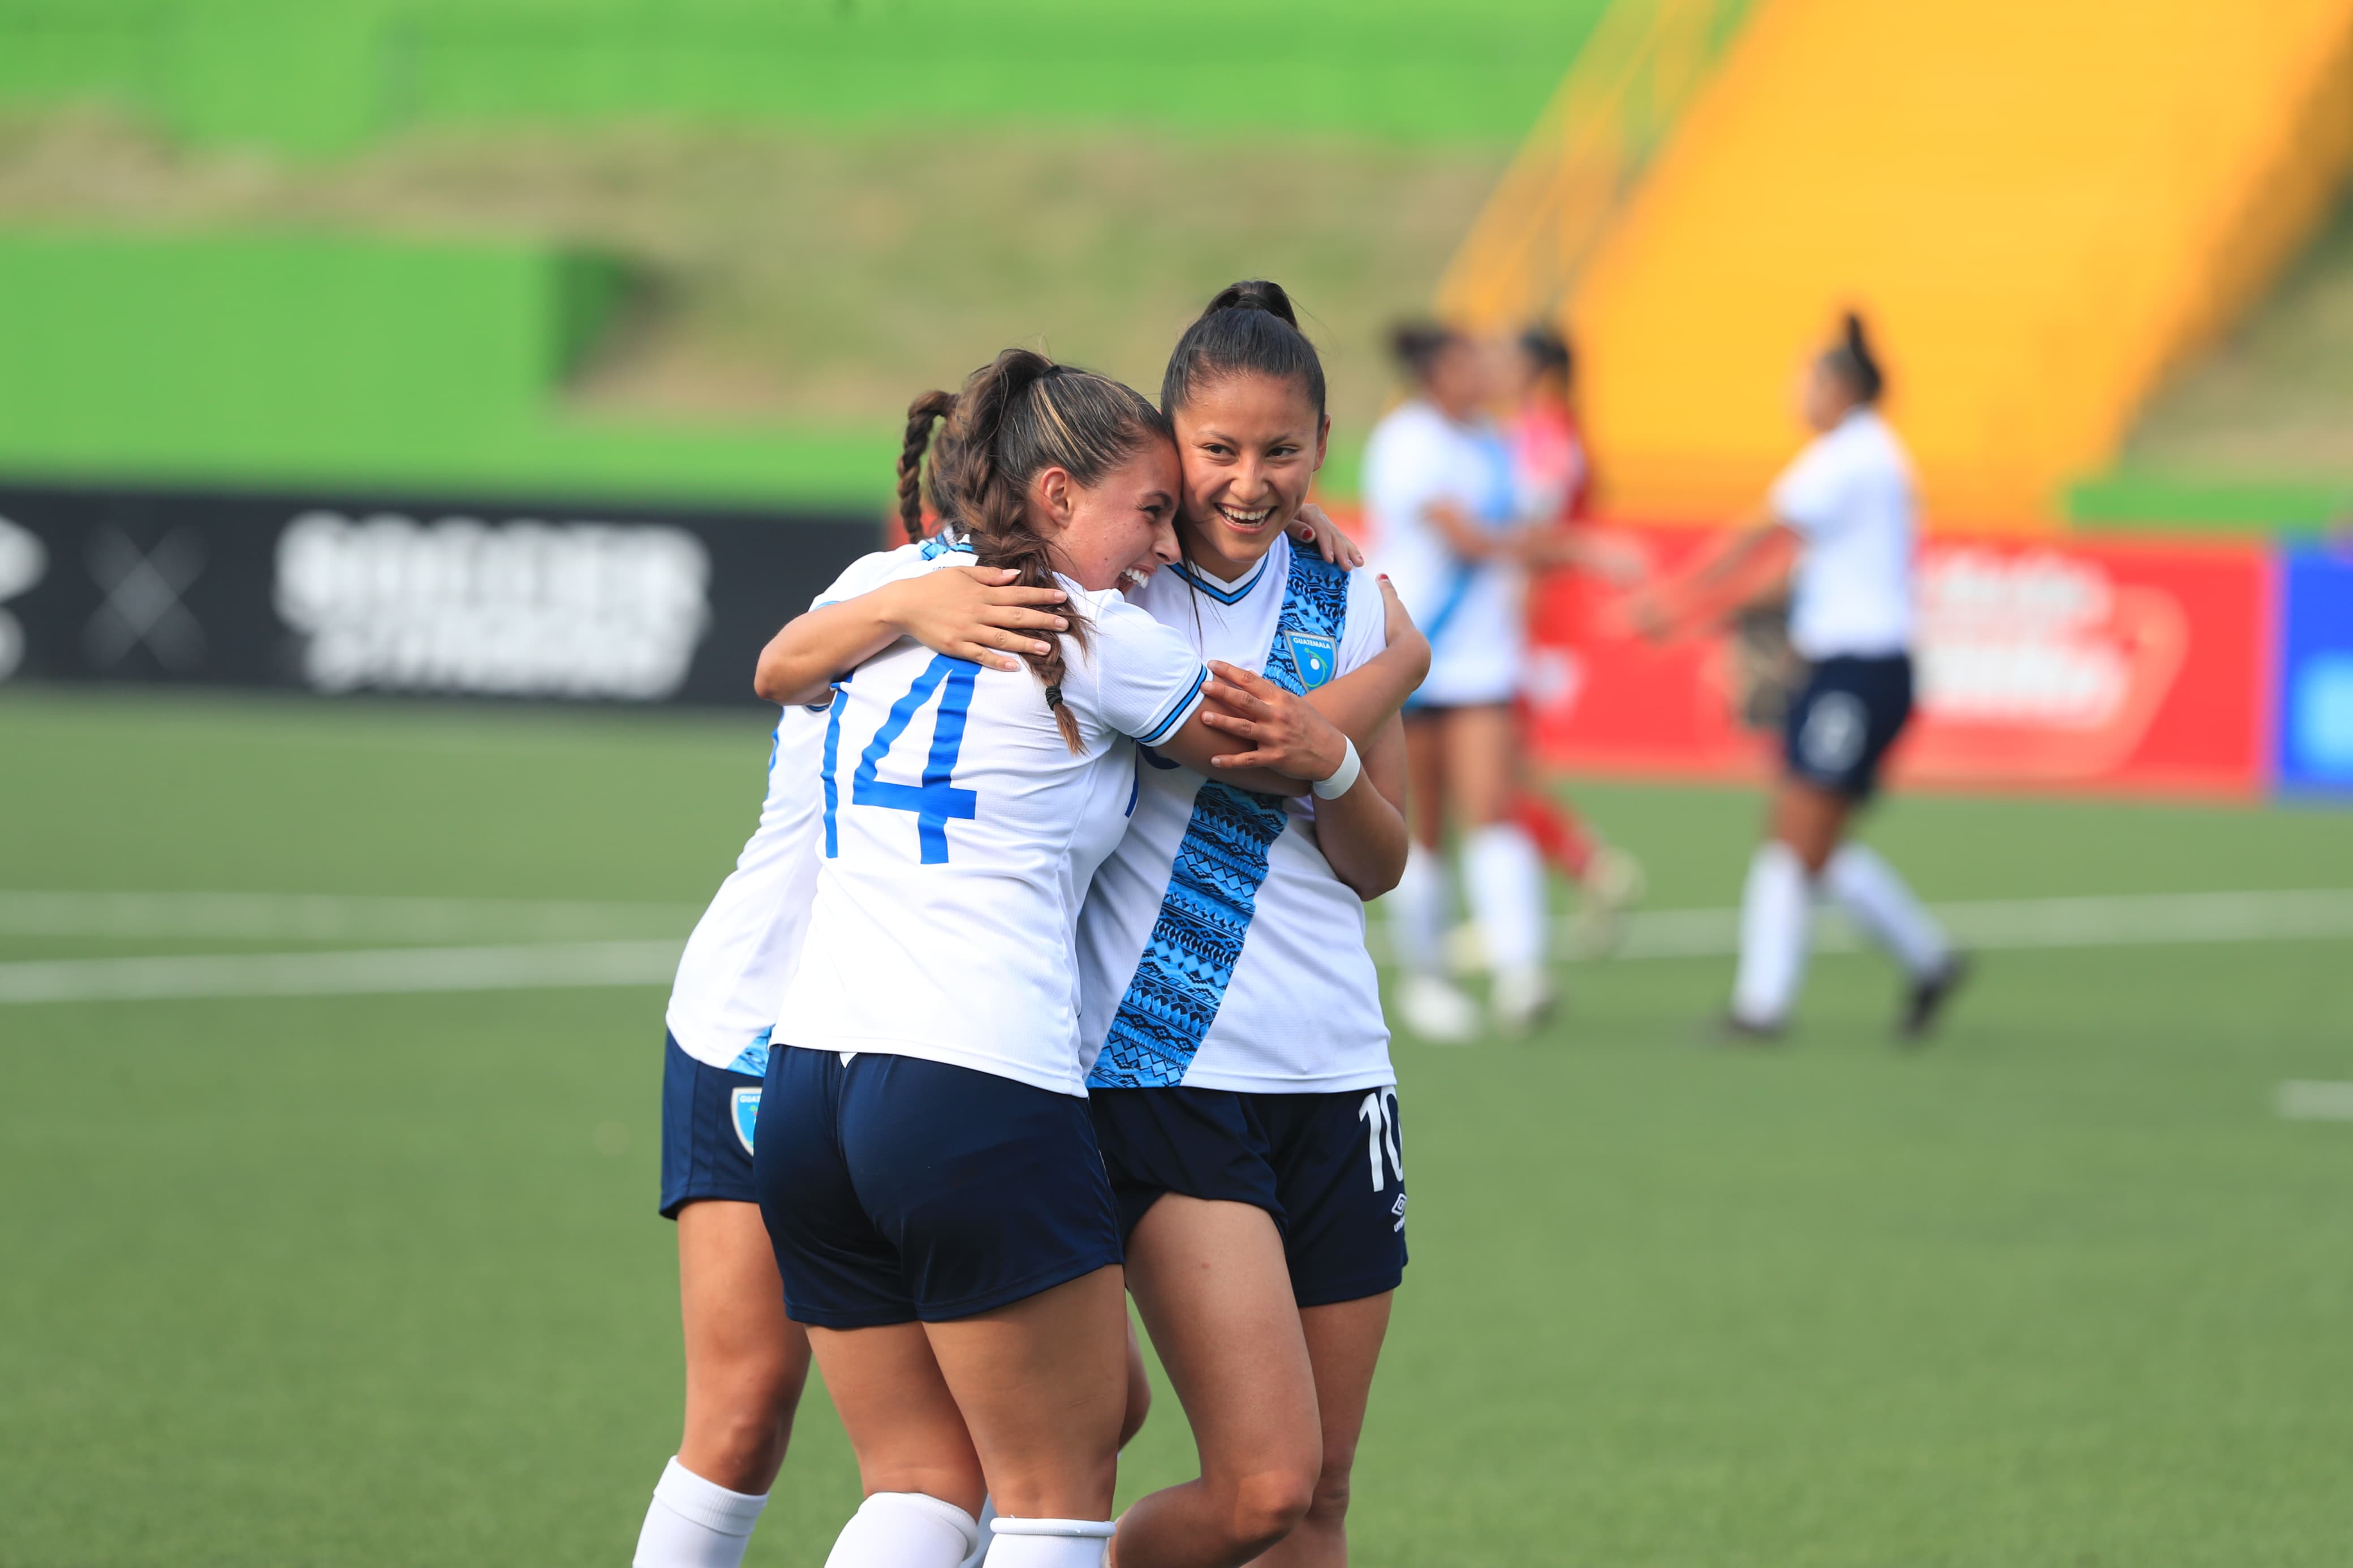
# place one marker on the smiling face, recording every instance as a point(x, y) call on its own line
point(1126, 521)
point(1250, 446)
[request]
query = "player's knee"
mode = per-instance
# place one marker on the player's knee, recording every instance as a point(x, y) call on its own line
point(740, 1448)
point(1268, 1504)
point(738, 1438)
point(1331, 1499)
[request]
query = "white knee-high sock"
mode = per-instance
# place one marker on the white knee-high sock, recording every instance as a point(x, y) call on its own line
point(1874, 895)
point(1050, 1543)
point(904, 1529)
point(1417, 912)
point(1774, 916)
point(973, 1558)
point(695, 1523)
point(1506, 875)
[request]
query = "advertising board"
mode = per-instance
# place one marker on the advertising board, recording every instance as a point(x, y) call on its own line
point(2044, 665)
point(337, 594)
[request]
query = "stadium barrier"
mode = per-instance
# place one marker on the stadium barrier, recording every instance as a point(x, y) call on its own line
point(337, 594)
point(2108, 664)
point(2206, 668)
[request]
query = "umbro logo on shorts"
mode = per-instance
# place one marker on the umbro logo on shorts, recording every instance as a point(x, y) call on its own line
point(1397, 1209)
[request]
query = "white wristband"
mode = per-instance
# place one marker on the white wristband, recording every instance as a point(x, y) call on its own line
point(1344, 777)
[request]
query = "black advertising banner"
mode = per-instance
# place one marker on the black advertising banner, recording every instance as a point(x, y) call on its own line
point(339, 592)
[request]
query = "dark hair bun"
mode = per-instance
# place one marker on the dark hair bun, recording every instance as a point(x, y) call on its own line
point(1417, 343)
point(1855, 360)
point(1254, 294)
point(1249, 327)
point(1547, 348)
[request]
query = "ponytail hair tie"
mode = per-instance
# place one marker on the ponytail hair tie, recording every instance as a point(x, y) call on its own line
point(1053, 697)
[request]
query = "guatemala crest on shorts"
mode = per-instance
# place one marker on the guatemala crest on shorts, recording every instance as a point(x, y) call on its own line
point(743, 1110)
point(1315, 658)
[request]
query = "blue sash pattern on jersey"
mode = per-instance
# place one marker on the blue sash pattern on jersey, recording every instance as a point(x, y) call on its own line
point(1188, 960)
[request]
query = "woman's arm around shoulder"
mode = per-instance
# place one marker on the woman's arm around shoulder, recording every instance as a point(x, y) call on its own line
point(974, 612)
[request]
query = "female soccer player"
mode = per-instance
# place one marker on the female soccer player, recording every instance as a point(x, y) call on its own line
point(927, 1168)
point(745, 1361)
point(1438, 488)
point(1243, 1094)
point(1848, 499)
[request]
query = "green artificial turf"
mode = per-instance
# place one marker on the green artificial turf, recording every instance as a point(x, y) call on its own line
point(377, 1280)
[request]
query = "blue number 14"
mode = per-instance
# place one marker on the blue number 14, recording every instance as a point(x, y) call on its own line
point(936, 800)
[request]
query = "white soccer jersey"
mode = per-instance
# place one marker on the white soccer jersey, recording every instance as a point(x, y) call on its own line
point(960, 834)
point(1850, 494)
point(733, 974)
point(1217, 949)
point(1469, 610)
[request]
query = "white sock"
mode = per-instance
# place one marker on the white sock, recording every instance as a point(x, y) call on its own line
point(1050, 1543)
point(1507, 894)
point(980, 1547)
point(904, 1529)
point(695, 1523)
point(1417, 912)
point(1874, 897)
point(1773, 920)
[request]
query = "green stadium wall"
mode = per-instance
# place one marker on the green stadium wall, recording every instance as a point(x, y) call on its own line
point(246, 359)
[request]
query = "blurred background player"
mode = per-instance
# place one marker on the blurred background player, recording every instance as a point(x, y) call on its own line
point(1848, 501)
point(1552, 478)
point(1439, 493)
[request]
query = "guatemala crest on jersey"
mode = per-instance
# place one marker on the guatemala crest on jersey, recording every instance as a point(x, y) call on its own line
point(743, 1110)
point(1315, 658)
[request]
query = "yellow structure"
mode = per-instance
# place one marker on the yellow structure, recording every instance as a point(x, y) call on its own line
point(2040, 205)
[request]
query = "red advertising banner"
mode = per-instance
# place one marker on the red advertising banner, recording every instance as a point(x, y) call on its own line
point(2117, 665)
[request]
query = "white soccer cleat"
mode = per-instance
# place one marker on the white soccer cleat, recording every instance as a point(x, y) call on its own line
point(1438, 1011)
point(1466, 951)
point(1520, 998)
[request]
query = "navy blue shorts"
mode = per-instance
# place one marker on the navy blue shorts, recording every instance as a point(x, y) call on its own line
point(707, 1118)
point(1330, 1169)
point(1844, 719)
point(897, 1189)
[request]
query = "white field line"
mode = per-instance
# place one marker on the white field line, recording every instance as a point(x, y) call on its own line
point(377, 971)
point(326, 917)
point(1990, 925)
point(2307, 1100)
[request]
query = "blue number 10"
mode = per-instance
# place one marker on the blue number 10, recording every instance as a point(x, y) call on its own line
point(936, 800)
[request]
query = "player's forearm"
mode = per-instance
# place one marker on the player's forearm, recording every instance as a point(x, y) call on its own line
point(1370, 696)
point(1194, 743)
point(1363, 832)
point(801, 661)
point(1467, 538)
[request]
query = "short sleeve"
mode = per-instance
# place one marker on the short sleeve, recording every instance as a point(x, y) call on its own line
point(1148, 679)
point(1806, 495)
point(1366, 634)
point(866, 573)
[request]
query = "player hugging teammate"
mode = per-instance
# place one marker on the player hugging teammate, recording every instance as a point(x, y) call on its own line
point(1057, 911)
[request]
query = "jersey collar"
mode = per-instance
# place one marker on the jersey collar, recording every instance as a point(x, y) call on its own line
point(1223, 592)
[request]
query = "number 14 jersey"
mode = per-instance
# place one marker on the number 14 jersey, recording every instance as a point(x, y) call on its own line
point(959, 836)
